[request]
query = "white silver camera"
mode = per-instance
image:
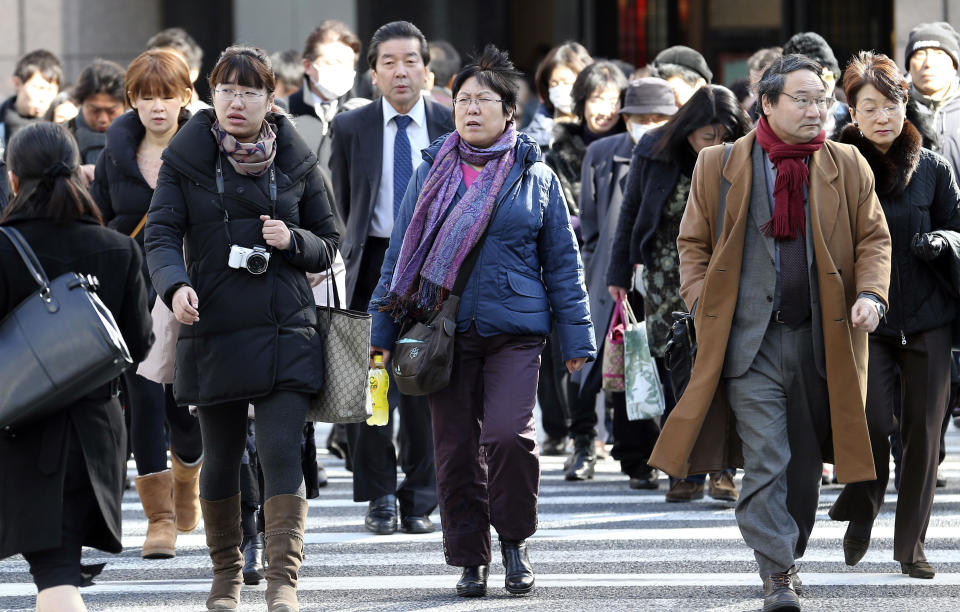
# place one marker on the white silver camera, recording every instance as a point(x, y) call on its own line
point(255, 260)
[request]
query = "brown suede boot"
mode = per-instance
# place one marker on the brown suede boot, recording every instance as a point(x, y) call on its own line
point(156, 495)
point(221, 523)
point(284, 519)
point(186, 492)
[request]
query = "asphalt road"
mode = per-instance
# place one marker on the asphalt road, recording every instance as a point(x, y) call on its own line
point(600, 546)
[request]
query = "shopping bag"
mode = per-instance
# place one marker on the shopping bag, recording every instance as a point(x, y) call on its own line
point(613, 351)
point(644, 392)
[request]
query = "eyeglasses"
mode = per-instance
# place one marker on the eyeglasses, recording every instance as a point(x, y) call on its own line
point(247, 96)
point(481, 102)
point(871, 112)
point(803, 102)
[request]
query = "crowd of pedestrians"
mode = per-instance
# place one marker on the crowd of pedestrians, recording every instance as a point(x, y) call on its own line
point(807, 218)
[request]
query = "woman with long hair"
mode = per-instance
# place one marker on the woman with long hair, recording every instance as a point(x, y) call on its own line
point(158, 90)
point(241, 194)
point(653, 204)
point(63, 476)
point(921, 202)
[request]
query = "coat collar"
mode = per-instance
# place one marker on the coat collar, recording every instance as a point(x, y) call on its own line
point(824, 197)
point(193, 151)
point(892, 170)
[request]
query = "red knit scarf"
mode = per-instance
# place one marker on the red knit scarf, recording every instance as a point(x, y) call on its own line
point(788, 221)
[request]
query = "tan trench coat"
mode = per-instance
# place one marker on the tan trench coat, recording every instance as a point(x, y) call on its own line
point(852, 250)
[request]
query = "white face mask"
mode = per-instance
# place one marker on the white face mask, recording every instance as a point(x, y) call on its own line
point(333, 81)
point(637, 130)
point(561, 99)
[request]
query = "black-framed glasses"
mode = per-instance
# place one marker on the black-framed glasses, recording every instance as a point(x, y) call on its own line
point(803, 102)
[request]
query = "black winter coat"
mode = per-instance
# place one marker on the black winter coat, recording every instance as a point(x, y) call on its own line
point(33, 459)
point(118, 187)
point(650, 183)
point(565, 158)
point(256, 333)
point(919, 194)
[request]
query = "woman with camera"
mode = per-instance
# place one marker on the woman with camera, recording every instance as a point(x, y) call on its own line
point(158, 88)
point(240, 192)
point(63, 476)
point(483, 188)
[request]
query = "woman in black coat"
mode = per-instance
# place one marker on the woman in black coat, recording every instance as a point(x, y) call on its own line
point(653, 204)
point(62, 478)
point(241, 194)
point(921, 202)
point(158, 89)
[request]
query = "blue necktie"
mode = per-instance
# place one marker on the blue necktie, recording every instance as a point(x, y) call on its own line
point(402, 162)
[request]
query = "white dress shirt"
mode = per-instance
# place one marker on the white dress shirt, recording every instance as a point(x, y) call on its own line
point(381, 225)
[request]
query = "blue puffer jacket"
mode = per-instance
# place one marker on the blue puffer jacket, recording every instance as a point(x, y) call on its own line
point(529, 267)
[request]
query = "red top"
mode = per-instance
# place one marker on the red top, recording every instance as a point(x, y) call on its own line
point(469, 174)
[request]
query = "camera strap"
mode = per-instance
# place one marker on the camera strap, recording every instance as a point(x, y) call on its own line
point(223, 208)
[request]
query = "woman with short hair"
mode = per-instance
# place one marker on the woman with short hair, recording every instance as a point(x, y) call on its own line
point(158, 91)
point(484, 180)
point(921, 202)
point(242, 192)
point(63, 476)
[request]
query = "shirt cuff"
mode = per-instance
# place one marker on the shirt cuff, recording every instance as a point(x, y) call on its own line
point(873, 297)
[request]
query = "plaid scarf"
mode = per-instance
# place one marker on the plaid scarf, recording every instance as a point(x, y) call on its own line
point(250, 158)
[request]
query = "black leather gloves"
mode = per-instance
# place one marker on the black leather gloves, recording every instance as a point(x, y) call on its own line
point(927, 246)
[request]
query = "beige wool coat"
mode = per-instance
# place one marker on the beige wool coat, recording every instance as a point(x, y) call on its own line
point(852, 251)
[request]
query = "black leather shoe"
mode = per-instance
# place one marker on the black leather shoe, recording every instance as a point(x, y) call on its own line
point(321, 478)
point(382, 515)
point(919, 569)
point(645, 480)
point(416, 524)
point(473, 581)
point(854, 549)
point(553, 447)
point(252, 547)
point(583, 461)
point(779, 592)
point(519, 575)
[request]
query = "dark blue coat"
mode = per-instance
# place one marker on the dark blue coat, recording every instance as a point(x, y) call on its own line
point(528, 273)
point(256, 334)
point(602, 184)
point(650, 183)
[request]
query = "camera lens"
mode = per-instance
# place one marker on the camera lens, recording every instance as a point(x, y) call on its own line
point(256, 263)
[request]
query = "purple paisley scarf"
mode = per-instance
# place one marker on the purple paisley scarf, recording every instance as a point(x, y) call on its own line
point(433, 251)
point(250, 158)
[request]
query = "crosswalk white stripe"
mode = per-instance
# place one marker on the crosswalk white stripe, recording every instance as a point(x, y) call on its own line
point(196, 558)
point(560, 581)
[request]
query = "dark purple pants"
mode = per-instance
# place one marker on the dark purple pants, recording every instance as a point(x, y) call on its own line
point(485, 442)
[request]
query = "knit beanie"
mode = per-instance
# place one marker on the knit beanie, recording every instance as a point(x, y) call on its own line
point(935, 35)
point(815, 47)
point(686, 57)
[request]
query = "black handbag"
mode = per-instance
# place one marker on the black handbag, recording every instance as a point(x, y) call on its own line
point(423, 353)
point(681, 351)
point(58, 344)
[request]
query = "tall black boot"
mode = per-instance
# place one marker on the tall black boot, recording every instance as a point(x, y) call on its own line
point(519, 575)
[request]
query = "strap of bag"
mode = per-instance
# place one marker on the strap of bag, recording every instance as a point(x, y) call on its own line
point(461, 283)
point(28, 256)
point(331, 279)
point(617, 316)
point(139, 227)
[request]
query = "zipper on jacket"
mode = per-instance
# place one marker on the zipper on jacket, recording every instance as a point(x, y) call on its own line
point(479, 265)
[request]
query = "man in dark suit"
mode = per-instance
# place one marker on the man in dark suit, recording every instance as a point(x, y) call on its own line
point(374, 152)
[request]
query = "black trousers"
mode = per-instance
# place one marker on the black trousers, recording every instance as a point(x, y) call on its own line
point(155, 417)
point(633, 440)
point(924, 366)
point(372, 453)
point(553, 393)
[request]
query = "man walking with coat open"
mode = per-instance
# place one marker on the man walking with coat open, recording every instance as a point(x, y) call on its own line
point(785, 263)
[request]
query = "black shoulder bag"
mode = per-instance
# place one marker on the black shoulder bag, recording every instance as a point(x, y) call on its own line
point(58, 344)
point(423, 354)
point(681, 349)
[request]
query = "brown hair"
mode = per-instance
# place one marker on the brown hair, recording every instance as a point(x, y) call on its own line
point(246, 66)
point(330, 30)
point(158, 72)
point(869, 68)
